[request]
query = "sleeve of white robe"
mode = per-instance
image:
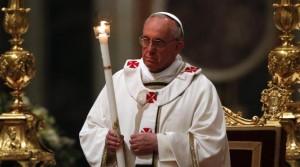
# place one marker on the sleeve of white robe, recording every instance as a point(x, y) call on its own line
point(93, 133)
point(209, 131)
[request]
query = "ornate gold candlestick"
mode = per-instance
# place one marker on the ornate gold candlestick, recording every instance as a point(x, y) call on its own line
point(284, 66)
point(18, 135)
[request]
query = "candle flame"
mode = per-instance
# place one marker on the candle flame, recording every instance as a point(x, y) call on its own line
point(102, 30)
point(102, 27)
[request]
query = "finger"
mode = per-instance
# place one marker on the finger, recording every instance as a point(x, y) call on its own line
point(134, 146)
point(112, 133)
point(113, 139)
point(133, 140)
point(112, 146)
point(110, 137)
point(135, 149)
point(135, 135)
point(139, 151)
point(113, 143)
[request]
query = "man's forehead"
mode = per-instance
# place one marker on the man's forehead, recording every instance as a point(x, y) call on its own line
point(160, 19)
point(159, 28)
point(170, 16)
point(160, 23)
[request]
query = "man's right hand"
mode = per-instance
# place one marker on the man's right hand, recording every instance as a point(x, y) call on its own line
point(113, 141)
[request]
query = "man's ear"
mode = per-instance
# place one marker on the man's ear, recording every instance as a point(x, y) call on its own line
point(180, 45)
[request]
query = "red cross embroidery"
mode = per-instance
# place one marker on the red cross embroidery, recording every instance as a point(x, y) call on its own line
point(151, 97)
point(133, 64)
point(191, 69)
point(146, 130)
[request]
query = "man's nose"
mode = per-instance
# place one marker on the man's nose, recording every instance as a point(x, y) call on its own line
point(151, 47)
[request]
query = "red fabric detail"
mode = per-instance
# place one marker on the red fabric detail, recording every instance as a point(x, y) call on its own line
point(191, 69)
point(133, 64)
point(151, 97)
point(146, 130)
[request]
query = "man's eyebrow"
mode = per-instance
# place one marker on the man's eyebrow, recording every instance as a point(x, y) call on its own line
point(156, 39)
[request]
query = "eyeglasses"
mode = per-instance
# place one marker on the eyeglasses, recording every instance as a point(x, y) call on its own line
point(157, 43)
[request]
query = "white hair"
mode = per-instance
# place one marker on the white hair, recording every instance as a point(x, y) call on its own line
point(179, 33)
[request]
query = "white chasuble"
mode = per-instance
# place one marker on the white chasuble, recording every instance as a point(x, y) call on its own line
point(145, 119)
point(188, 105)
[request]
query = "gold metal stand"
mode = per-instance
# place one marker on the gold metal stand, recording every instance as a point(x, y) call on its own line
point(284, 66)
point(18, 135)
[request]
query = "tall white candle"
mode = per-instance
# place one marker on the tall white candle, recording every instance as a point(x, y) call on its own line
point(102, 32)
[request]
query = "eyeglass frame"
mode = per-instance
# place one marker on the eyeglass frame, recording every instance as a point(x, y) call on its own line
point(157, 43)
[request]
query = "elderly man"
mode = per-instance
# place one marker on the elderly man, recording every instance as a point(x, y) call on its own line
point(169, 112)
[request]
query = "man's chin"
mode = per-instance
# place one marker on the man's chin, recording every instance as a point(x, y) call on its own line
point(152, 67)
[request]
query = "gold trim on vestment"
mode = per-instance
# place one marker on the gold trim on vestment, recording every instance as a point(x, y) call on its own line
point(195, 161)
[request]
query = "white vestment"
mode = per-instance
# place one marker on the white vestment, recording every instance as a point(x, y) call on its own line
point(188, 119)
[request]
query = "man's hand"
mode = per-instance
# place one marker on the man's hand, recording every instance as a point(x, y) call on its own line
point(143, 143)
point(113, 141)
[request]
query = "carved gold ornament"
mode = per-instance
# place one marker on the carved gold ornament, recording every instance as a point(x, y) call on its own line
point(18, 126)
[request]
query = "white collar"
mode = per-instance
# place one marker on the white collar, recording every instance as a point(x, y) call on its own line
point(136, 88)
point(167, 75)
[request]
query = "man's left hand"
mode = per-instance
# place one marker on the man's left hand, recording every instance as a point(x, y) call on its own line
point(143, 143)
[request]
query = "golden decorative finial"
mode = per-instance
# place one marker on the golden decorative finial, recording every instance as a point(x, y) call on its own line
point(284, 66)
point(18, 135)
